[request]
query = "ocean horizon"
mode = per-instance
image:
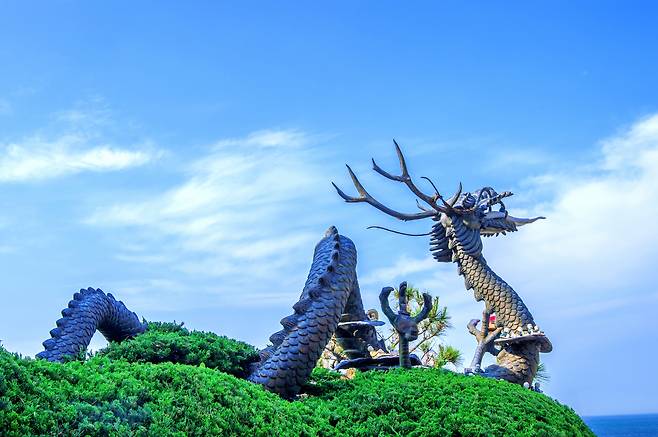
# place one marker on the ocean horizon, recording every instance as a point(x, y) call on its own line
point(630, 425)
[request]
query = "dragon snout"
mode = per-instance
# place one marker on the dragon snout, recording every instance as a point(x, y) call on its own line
point(500, 222)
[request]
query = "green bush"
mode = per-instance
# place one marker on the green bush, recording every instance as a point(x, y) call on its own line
point(434, 402)
point(114, 397)
point(116, 393)
point(172, 343)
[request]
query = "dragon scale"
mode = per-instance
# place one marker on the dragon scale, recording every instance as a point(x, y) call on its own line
point(90, 310)
point(331, 295)
point(465, 248)
point(453, 240)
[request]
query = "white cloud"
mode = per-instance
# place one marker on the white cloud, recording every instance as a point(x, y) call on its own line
point(36, 158)
point(73, 144)
point(599, 234)
point(595, 254)
point(244, 214)
point(291, 138)
point(399, 270)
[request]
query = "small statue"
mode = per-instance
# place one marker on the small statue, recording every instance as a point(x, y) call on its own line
point(405, 325)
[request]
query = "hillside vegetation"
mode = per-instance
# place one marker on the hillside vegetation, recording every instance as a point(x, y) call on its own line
point(171, 381)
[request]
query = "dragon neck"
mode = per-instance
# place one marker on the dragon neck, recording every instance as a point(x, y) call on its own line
point(499, 296)
point(453, 240)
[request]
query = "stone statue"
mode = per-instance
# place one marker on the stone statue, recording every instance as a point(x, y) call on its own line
point(460, 222)
point(405, 325)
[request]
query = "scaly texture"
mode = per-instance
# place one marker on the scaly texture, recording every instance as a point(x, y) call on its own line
point(521, 343)
point(500, 298)
point(90, 310)
point(295, 350)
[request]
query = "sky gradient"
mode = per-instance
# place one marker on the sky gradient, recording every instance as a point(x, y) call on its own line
point(180, 157)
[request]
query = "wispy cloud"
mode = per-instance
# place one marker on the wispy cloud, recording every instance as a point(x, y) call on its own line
point(36, 158)
point(242, 214)
point(290, 138)
point(75, 143)
point(399, 270)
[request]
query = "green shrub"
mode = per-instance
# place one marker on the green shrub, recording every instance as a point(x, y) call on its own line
point(434, 402)
point(106, 397)
point(115, 393)
point(172, 343)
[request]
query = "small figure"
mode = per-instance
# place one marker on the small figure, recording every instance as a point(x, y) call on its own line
point(405, 325)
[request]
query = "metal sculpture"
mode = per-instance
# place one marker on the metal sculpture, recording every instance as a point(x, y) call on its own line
point(404, 324)
point(460, 222)
point(90, 310)
point(330, 298)
point(329, 304)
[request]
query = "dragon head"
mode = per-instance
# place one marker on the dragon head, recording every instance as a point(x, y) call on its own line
point(485, 211)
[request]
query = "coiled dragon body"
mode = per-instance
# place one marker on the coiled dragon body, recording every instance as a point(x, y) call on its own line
point(330, 304)
point(89, 311)
point(459, 224)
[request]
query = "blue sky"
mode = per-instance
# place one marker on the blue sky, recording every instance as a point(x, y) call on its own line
point(181, 158)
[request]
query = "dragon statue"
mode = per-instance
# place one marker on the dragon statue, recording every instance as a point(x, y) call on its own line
point(459, 224)
point(330, 303)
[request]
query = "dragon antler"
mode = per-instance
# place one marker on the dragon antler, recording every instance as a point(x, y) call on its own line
point(406, 179)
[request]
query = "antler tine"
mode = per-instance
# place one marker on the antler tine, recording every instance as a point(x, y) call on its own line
point(451, 202)
point(364, 197)
point(421, 207)
point(404, 177)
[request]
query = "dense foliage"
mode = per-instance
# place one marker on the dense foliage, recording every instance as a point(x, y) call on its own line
point(115, 393)
point(114, 397)
point(172, 343)
point(433, 402)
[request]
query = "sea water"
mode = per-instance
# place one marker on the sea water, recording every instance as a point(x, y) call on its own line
point(641, 425)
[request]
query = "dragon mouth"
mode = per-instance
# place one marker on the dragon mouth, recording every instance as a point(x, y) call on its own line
point(499, 222)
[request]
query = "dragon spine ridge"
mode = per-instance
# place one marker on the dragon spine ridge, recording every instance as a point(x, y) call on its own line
point(90, 310)
point(331, 295)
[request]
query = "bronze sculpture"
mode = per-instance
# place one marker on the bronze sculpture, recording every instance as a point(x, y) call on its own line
point(460, 222)
point(405, 325)
point(331, 303)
